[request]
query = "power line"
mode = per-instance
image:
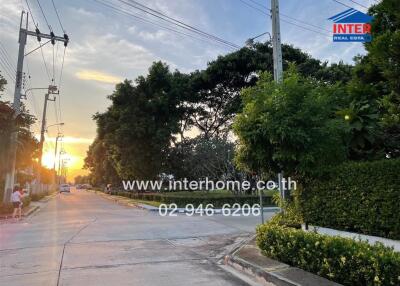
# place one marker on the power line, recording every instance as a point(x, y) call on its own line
point(123, 11)
point(174, 21)
point(60, 82)
point(282, 14)
point(53, 67)
point(5, 62)
point(341, 3)
point(7, 58)
point(44, 15)
point(45, 64)
point(58, 16)
point(284, 20)
point(32, 97)
point(7, 71)
point(6, 66)
point(30, 11)
point(359, 4)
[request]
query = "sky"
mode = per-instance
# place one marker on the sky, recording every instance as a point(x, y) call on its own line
point(106, 47)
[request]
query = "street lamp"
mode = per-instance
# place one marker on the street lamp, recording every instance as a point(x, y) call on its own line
point(58, 124)
point(59, 137)
point(250, 42)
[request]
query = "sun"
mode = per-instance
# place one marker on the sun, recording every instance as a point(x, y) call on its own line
point(48, 160)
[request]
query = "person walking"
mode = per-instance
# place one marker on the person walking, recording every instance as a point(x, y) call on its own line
point(16, 197)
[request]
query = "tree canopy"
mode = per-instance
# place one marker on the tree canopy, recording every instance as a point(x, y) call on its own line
point(289, 126)
point(321, 114)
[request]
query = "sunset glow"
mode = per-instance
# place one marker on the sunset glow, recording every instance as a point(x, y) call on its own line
point(75, 149)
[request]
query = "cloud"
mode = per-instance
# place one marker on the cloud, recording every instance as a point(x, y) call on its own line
point(158, 35)
point(97, 76)
point(109, 51)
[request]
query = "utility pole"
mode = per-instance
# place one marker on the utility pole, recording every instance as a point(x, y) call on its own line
point(10, 175)
point(51, 90)
point(23, 35)
point(276, 41)
point(62, 152)
point(59, 136)
point(278, 65)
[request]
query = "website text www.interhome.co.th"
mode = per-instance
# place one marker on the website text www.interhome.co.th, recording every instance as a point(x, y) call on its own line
point(206, 184)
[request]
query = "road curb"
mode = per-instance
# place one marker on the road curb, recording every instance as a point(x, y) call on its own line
point(31, 211)
point(257, 272)
point(276, 272)
point(124, 201)
point(26, 214)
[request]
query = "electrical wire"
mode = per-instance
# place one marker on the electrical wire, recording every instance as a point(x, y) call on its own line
point(32, 97)
point(60, 82)
point(44, 15)
point(56, 114)
point(58, 16)
point(174, 21)
point(52, 79)
point(5, 62)
point(122, 11)
point(284, 20)
point(30, 11)
point(359, 4)
point(6, 71)
point(45, 64)
point(287, 16)
point(341, 3)
point(7, 58)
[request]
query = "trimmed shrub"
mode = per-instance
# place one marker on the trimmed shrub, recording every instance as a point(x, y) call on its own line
point(8, 208)
point(342, 260)
point(361, 197)
point(38, 197)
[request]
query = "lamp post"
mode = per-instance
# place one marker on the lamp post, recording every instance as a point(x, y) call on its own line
point(59, 137)
point(250, 42)
point(62, 152)
point(43, 130)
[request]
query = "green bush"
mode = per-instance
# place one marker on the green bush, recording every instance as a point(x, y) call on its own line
point(184, 198)
point(342, 260)
point(38, 197)
point(362, 197)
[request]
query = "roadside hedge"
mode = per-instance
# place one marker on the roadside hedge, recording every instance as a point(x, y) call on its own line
point(362, 197)
point(6, 209)
point(182, 200)
point(342, 260)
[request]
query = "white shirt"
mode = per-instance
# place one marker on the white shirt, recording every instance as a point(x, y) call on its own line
point(16, 197)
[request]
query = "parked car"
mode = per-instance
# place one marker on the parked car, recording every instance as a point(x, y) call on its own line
point(65, 188)
point(86, 186)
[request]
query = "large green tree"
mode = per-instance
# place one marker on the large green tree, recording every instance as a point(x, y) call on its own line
point(98, 162)
point(139, 126)
point(216, 90)
point(290, 126)
point(201, 157)
point(375, 87)
point(27, 145)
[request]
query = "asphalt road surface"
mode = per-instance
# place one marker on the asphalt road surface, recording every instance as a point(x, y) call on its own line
point(83, 239)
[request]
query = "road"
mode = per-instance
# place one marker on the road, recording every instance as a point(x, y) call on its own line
point(83, 239)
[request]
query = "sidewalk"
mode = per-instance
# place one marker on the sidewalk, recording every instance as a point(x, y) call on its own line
point(29, 210)
point(249, 260)
point(25, 212)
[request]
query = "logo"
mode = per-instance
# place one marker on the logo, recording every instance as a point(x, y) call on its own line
point(352, 26)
